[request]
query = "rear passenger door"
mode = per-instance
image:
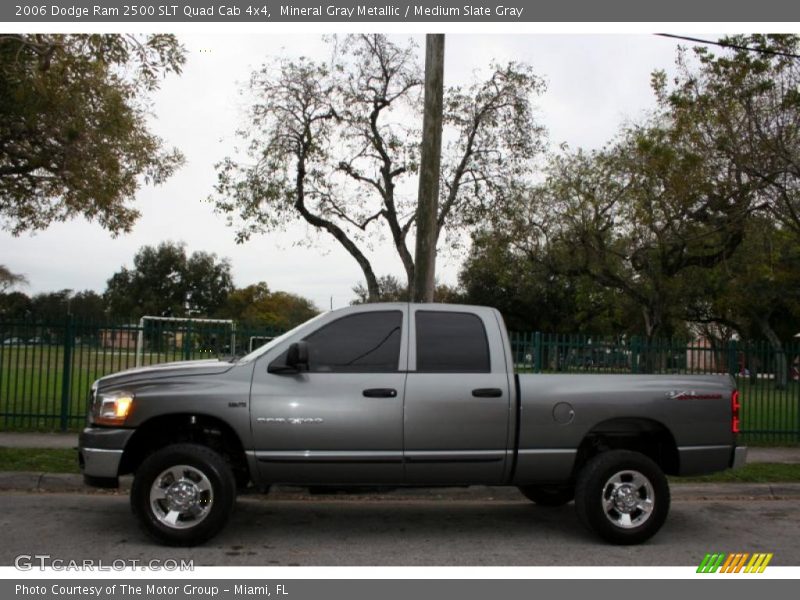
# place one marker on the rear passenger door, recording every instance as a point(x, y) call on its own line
point(457, 401)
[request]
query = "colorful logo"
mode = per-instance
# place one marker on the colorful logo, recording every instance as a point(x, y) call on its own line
point(735, 563)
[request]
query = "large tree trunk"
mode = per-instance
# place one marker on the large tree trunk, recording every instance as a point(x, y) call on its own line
point(781, 367)
point(428, 199)
point(652, 325)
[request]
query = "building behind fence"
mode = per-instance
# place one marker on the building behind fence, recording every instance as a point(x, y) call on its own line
point(46, 369)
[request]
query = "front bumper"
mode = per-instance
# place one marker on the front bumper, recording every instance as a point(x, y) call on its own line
point(100, 452)
point(739, 457)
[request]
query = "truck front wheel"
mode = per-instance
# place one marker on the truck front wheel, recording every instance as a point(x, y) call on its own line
point(183, 494)
point(623, 496)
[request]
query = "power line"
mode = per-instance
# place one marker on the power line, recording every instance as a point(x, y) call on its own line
point(729, 45)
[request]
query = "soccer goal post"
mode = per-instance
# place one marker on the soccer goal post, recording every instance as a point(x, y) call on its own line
point(187, 321)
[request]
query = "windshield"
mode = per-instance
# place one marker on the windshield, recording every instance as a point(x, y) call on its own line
point(272, 343)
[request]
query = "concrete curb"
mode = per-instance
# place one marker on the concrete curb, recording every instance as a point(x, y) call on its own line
point(24, 481)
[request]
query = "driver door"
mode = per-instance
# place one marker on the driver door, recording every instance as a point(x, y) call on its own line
point(341, 421)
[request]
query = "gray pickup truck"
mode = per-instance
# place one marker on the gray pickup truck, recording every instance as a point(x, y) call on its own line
point(402, 395)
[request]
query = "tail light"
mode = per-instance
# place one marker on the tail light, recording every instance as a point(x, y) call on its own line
point(735, 406)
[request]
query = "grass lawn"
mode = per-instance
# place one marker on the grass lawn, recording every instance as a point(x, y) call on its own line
point(61, 460)
point(753, 473)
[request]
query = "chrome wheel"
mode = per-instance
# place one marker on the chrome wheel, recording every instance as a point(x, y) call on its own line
point(181, 497)
point(628, 499)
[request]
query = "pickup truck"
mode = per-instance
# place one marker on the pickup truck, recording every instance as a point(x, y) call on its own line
point(402, 394)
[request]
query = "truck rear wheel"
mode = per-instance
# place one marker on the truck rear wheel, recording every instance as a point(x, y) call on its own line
point(548, 495)
point(623, 496)
point(183, 494)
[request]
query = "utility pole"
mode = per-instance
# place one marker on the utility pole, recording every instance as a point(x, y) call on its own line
point(430, 159)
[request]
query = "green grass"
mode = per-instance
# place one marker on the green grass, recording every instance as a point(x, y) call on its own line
point(752, 473)
point(62, 460)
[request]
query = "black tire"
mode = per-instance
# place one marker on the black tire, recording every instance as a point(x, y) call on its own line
point(548, 495)
point(214, 491)
point(636, 478)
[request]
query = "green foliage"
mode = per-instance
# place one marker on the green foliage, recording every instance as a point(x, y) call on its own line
point(533, 298)
point(690, 215)
point(15, 305)
point(742, 109)
point(756, 290)
point(390, 289)
point(73, 132)
point(53, 307)
point(257, 306)
point(633, 218)
point(165, 281)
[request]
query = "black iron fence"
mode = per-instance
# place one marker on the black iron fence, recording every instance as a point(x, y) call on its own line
point(47, 368)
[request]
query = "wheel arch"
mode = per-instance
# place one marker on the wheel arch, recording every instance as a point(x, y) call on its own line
point(638, 434)
point(174, 428)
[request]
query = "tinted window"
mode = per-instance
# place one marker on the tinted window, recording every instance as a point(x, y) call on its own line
point(362, 343)
point(449, 342)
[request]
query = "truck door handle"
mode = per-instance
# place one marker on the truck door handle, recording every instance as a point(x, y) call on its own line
point(380, 393)
point(487, 393)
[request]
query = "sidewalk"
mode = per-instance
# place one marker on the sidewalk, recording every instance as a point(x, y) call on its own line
point(38, 440)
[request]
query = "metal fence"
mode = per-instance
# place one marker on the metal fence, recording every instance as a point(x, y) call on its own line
point(46, 369)
point(768, 379)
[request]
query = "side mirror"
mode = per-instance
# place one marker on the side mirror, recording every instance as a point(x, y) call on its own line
point(297, 356)
point(296, 360)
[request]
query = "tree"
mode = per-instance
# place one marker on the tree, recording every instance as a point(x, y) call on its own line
point(533, 298)
point(165, 282)
point(326, 144)
point(73, 133)
point(757, 291)
point(8, 279)
point(53, 307)
point(636, 217)
point(391, 289)
point(743, 107)
point(14, 305)
point(257, 306)
point(88, 305)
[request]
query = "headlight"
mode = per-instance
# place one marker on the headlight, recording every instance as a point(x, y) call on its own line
point(111, 408)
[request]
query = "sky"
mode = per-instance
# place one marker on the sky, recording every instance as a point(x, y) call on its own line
point(595, 83)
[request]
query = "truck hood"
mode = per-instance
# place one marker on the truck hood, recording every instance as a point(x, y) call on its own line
point(159, 371)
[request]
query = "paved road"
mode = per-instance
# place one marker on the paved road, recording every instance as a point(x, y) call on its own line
point(392, 530)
